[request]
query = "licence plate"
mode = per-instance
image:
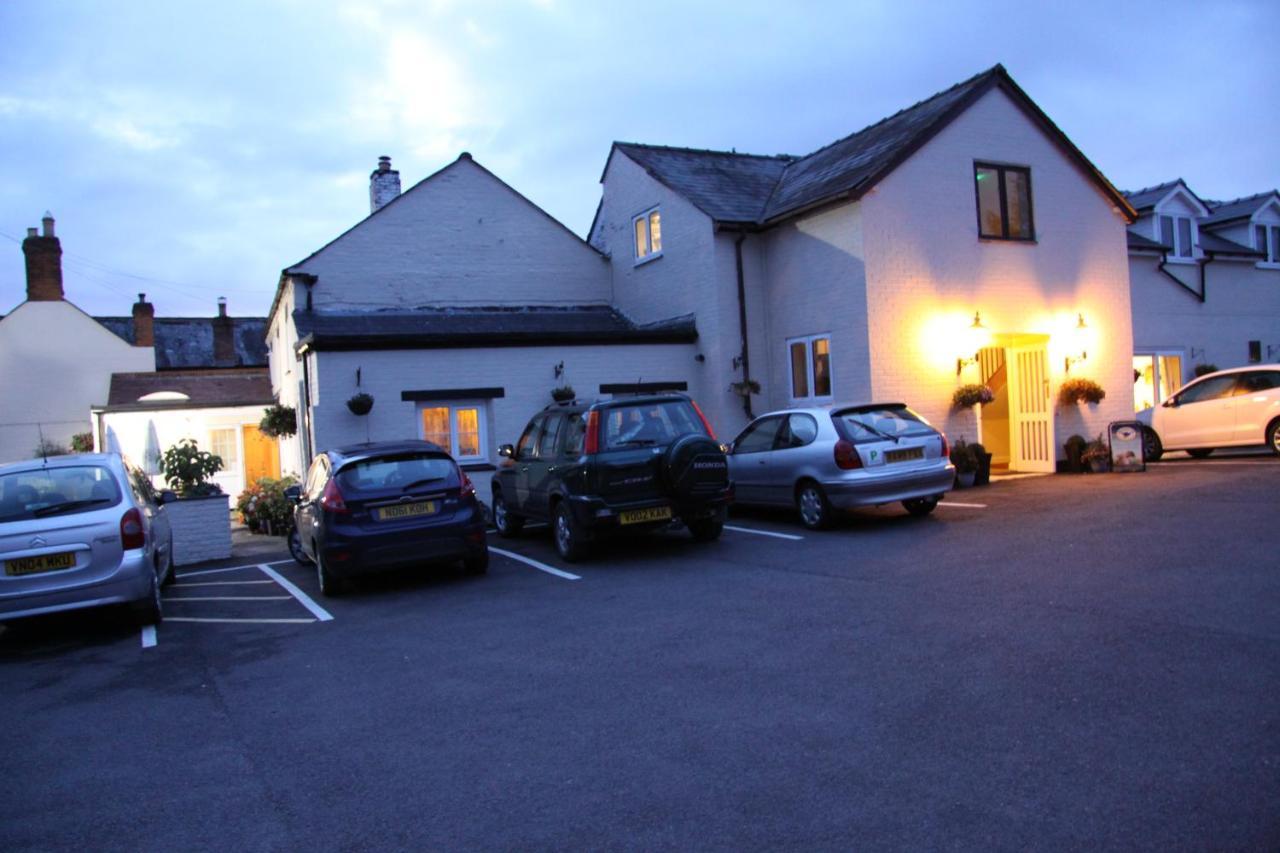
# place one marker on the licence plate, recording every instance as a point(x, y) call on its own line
point(386, 513)
point(904, 454)
point(43, 563)
point(639, 516)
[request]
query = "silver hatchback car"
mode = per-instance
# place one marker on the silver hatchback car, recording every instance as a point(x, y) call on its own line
point(823, 459)
point(80, 531)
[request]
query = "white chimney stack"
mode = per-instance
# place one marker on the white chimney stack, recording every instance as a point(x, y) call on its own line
point(384, 184)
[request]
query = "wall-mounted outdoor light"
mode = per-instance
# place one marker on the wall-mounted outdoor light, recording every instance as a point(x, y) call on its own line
point(1080, 331)
point(975, 338)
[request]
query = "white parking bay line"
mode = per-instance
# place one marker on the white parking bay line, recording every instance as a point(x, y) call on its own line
point(218, 583)
point(542, 567)
point(261, 621)
point(966, 506)
point(229, 598)
point(790, 536)
point(148, 636)
point(303, 599)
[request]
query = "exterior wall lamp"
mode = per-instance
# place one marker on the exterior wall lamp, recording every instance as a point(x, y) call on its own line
point(1080, 331)
point(976, 337)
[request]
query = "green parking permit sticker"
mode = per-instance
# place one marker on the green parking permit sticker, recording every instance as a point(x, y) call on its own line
point(874, 454)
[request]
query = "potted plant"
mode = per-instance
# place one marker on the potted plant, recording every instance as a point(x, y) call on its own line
point(1074, 449)
point(563, 394)
point(962, 456)
point(199, 518)
point(745, 387)
point(982, 474)
point(970, 395)
point(278, 421)
point(1080, 391)
point(360, 404)
point(1097, 455)
point(264, 507)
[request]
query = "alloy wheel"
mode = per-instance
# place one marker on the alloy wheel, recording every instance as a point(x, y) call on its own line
point(811, 509)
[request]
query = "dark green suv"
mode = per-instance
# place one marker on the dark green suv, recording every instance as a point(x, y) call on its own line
point(626, 463)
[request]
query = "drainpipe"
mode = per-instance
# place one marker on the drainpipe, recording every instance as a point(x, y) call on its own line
point(742, 323)
point(1164, 259)
point(1209, 257)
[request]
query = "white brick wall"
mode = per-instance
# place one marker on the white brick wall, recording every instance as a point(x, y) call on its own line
point(201, 529)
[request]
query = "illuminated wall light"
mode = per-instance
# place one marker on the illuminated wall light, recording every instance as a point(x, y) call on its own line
point(1081, 333)
point(976, 337)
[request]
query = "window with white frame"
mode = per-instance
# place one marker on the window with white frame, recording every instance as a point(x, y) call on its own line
point(1178, 232)
point(810, 360)
point(223, 443)
point(647, 228)
point(1269, 247)
point(457, 427)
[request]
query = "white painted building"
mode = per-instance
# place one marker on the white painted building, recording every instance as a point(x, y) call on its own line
point(1205, 280)
point(856, 272)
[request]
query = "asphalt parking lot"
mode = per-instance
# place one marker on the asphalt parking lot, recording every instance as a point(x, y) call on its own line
point(1049, 662)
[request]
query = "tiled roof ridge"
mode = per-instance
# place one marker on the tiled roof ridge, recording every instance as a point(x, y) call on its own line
point(789, 158)
point(1242, 198)
point(1154, 187)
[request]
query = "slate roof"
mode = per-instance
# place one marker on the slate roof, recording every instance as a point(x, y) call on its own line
point(750, 189)
point(1240, 208)
point(204, 389)
point(1222, 246)
point(187, 342)
point(427, 328)
point(1146, 198)
point(1137, 241)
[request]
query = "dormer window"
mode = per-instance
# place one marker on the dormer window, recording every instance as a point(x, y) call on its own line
point(1179, 233)
point(647, 228)
point(1269, 248)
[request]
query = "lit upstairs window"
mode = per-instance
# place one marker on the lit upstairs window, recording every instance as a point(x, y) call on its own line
point(648, 235)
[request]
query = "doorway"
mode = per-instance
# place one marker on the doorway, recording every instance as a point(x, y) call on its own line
point(1016, 428)
point(261, 455)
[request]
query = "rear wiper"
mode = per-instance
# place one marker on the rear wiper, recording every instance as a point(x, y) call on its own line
point(639, 442)
point(67, 506)
point(870, 428)
point(417, 483)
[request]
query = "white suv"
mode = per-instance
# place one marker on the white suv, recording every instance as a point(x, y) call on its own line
point(1230, 408)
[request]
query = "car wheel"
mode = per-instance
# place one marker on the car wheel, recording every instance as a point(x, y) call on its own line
point(330, 584)
point(1199, 452)
point(148, 611)
point(477, 564)
point(568, 534)
point(920, 506)
point(1273, 436)
point(295, 547)
point(706, 529)
point(507, 523)
point(1152, 449)
point(812, 504)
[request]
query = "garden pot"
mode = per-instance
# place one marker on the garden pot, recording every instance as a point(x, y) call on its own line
point(964, 479)
point(1099, 466)
point(1073, 451)
point(983, 475)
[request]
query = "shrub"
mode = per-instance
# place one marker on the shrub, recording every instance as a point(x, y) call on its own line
point(1202, 369)
point(963, 457)
point(49, 448)
point(82, 442)
point(187, 469)
point(278, 421)
point(971, 395)
point(1080, 390)
point(263, 506)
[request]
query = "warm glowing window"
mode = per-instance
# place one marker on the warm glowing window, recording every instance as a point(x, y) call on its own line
point(1155, 379)
point(457, 427)
point(1004, 202)
point(810, 367)
point(222, 442)
point(648, 234)
point(1178, 233)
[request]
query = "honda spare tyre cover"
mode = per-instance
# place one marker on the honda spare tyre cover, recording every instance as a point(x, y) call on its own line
point(695, 465)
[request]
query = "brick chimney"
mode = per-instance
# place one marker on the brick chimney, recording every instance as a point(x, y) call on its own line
point(44, 263)
point(224, 343)
point(144, 319)
point(384, 184)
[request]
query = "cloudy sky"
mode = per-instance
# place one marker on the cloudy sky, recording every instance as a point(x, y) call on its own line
point(193, 149)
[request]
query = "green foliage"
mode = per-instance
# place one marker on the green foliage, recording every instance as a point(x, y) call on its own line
point(82, 442)
point(263, 506)
point(1202, 369)
point(971, 395)
point(278, 421)
point(187, 469)
point(964, 457)
point(1080, 390)
point(49, 448)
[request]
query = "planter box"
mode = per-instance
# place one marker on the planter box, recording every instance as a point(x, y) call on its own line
point(201, 529)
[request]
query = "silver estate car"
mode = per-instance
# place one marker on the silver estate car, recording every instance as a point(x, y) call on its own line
point(80, 531)
point(837, 457)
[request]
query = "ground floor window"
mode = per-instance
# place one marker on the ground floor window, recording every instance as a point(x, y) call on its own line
point(222, 442)
point(810, 359)
point(1156, 376)
point(457, 427)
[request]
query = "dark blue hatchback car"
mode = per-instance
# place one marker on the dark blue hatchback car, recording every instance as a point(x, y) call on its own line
point(387, 505)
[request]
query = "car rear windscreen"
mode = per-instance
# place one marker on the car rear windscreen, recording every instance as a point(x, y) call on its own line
point(647, 424)
point(867, 423)
point(403, 471)
point(56, 491)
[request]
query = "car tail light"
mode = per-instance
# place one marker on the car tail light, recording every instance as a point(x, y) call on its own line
point(132, 535)
point(592, 441)
point(332, 500)
point(468, 487)
point(847, 456)
point(946, 448)
point(705, 423)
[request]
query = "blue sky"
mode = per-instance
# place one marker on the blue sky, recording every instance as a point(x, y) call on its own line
point(191, 150)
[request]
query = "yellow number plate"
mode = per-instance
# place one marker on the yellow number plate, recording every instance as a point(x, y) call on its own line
point(639, 516)
point(385, 513)
point(43, 563)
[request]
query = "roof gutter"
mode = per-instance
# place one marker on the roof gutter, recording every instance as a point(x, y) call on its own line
point(1162, 267)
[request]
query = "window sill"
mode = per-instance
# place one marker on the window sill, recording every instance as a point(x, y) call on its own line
point(1182, 260)
point(647, 259)
point(983, 238)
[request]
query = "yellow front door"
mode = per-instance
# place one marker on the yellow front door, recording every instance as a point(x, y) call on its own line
point(261, 455)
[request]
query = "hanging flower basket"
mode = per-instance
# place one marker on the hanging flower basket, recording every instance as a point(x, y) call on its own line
point(971, 395)
point(563, 394)
point(1080, 391)
point(360, 404)
point(745, 388)
point(278, 421)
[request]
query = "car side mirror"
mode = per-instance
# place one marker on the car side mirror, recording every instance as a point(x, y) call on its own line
point(168, 496)
point(728, 448)
point(1171, 403)
point(507, 450)
point(293, 493)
